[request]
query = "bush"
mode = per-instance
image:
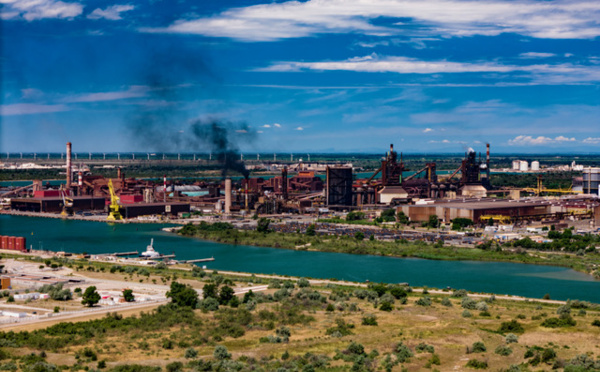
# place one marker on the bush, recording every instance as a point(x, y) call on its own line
point(424, 301)
point(478, 347)
point(424, 348)
point(468, 303)
point(221, 353)
point(446, 302)
point(402, 352)
point(503, 350)
point(596, 323)
point(303, 283)
point(481, 306)
point(460, 293)
point(511, 338)
point(563, 321)
point(174, 367)
point(474, 363)
point(182, 295)
point(190, 353)
point(369, 320)
point(209, 304)
point(386, 306)
point(466, 314)
point(513, 327)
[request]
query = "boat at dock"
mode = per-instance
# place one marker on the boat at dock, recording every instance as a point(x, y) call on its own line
point(150, 252)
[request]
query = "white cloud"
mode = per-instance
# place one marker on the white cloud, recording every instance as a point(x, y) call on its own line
point(277, 125)
point(299, 128)
point(32, 10)
point(135, 91)
point(539, 73)
point(540, 140)
point(266, 126)
point(30, 109)
point(427, 130)
point(561, 19)
point(112, 13)
point(592, 140)
point(533, 55)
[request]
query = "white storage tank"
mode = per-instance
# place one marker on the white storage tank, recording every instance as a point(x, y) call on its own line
point(516, 164)
point(535, 165)
point(524, 165)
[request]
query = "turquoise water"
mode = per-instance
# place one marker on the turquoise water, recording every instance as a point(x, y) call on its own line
point(493, 277)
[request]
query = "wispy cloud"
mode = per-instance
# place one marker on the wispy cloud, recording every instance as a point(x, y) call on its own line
point(32, 10)
point(562, 19)
point(112, 13)
point(277, 125)
point(30, 109)
point(427, 130)
point(533, 55)
point(136, 91)
point(299, 128)
point(592, 140)
point(540, 140)
point(538, 73)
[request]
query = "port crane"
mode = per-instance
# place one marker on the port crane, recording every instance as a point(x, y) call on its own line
point(67, 203)
point(113, 208)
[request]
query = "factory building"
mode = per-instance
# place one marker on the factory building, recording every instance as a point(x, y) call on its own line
point(475, 208)
point(55, 204)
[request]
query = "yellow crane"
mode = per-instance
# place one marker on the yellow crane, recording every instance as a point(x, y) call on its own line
point(113, 208)
point(496, 217)
point(541, 189)
point(67, 203)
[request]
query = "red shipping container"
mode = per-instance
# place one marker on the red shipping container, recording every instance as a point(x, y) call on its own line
point(20, 244)
point(4, 242)
point(49, 193)
point(128, 199)
point(11, 243)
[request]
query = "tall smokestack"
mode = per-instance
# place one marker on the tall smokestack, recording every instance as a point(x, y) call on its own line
point(80, 180)
point(284, 183)
point(165, 188)
point(227, 195)
point(487, 160)
point(69, 175)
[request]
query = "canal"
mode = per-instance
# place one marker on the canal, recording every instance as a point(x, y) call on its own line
point(493, 277)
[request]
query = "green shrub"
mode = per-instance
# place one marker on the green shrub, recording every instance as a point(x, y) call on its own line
point(478, 347)
point(511, 338)
point(503, 350)
point(369, 320)
point(424, 348)
point(563, 321)
point(513, 327)
point(424, 301)
point(476, 364)
point(446, 302)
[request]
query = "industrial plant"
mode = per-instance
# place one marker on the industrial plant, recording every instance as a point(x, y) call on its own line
point(310, 189)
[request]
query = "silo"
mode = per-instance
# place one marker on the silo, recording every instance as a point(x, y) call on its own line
point(535, 165)
point(523, 165)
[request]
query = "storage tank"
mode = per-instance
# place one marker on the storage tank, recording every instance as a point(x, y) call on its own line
point(535, 165)
point(11, 243)
point(523, 166)
point(516, 164)
point(20, 244)
point(4, 242)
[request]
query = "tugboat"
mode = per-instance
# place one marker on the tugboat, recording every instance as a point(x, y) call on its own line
point(150, 252)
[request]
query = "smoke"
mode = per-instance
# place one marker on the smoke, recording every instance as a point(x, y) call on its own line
point(162, 123)
point(221, 138)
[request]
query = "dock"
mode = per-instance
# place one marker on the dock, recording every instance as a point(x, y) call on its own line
point(160, 257)
point(199, 260)
point(135, 253)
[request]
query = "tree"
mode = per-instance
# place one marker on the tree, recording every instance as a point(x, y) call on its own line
point(388, 215)
point(209, 290)
point(183, 295)
point(311, 230)
point(128, 295)
point(225, 295)
point(221, 353)
point(262, 225)
point(90, 296)
point(359, 235)
point(433, 222)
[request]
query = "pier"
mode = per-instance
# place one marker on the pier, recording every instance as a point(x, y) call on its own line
point(199, 260)
point(134, 253)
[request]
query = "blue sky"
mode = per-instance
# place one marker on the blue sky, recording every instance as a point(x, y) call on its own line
point(305, 76)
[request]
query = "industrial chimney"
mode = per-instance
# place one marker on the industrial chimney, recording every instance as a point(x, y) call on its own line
point(487, 160)
point(227, 195)
point(69, 174)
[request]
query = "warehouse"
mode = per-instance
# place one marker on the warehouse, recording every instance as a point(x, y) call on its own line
point(475, 208)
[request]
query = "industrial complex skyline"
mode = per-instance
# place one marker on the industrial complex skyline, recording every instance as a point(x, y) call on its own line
point(317, 75)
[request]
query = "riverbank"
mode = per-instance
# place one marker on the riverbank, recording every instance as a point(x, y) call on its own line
point(588, 263)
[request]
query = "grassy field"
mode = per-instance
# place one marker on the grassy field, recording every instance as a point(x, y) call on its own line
point(586, 263)
point(298, 327)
